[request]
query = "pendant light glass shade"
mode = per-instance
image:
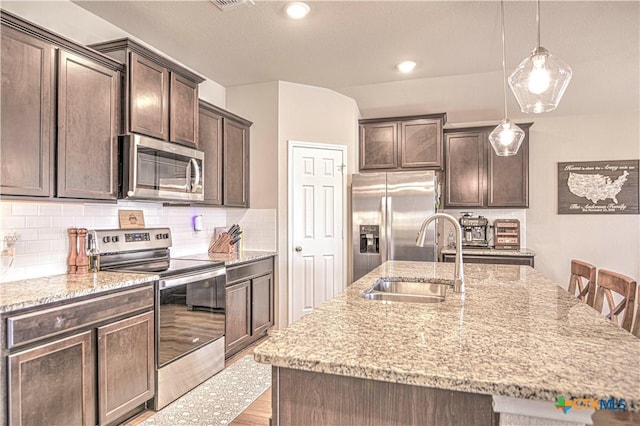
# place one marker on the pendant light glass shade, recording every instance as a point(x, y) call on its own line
point(540, 80)
point(506, 138)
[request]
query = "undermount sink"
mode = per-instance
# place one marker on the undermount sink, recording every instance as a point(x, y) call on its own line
point(406, 291)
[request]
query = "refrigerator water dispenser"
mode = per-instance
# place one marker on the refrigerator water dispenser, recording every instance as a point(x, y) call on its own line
point(369, 239)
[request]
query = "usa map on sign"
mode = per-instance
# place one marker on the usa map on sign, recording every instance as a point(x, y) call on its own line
point(596, 187)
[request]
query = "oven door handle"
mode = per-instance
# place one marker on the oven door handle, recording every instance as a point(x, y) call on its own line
point(186, 279)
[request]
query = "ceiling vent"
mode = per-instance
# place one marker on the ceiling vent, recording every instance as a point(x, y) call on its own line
point(225, 5)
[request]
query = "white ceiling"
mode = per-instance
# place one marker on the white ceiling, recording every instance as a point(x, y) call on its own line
point(343, 44)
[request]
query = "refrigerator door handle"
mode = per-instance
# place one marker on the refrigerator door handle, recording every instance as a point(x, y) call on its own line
point(384, 242)
point(389, 230)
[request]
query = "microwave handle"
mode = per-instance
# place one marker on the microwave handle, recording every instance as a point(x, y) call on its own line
point(197, 178)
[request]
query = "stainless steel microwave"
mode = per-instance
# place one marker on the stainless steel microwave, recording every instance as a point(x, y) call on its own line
point(157, 170)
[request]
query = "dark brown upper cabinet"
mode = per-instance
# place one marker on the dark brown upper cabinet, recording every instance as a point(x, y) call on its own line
point(149, 93)
point(161, 97)
point(88, 98)
point(49, 83)
point(224, 138)
point(464, 169)
point(28, 90)
point(184, 110)
point(235, 185)
point(210, 141)
point(401, 143)
point(476, 177)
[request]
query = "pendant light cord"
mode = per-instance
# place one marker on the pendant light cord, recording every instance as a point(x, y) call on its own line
point(504, 65)
point(538, 19)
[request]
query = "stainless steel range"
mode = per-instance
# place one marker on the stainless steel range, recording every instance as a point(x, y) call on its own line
point(189, 308)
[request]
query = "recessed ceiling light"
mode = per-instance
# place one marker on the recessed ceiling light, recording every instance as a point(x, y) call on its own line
point(297, 10)
point(406, 66)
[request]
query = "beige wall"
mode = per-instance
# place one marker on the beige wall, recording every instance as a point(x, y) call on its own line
point(259, 104)
point(309, 114)
point(607, 241)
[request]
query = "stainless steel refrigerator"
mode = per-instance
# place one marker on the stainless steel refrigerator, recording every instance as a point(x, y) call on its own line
point(388, 209)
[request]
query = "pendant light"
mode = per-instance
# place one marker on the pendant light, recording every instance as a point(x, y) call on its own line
point(506, 138)
point(539, 82)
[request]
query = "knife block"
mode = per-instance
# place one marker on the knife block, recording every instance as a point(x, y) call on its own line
point(221, 242)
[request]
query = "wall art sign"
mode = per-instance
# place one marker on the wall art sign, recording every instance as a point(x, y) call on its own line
point(598, 187)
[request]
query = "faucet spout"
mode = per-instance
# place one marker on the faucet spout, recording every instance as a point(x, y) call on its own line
point(458, 275)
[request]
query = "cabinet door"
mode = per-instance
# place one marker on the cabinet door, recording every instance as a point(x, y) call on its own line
point(238, 321)
point(26, 138)
point(54, 383)
point(464, 177)
point(421, 143)
point(125, 366)
point(87, 129)
point(508, 177)
point(210, 141)
point(236, 164)
point(149, 97)
point(379, 146)
point(261, 304)
point(183, 121)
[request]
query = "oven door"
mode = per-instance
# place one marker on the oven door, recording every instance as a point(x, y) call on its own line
point(189, 313)
point(154, 169)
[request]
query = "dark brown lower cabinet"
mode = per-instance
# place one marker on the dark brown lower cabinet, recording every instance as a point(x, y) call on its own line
point(100, 372)
point(261, 304)
point(310, 398)
point(238, 316)
point(249, 304)
point(54, 383)
point(125, 366)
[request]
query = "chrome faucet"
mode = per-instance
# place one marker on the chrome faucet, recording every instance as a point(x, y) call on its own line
point(458, 275)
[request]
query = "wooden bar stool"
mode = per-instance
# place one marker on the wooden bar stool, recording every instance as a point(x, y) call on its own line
point(581, 271)
point(636, 323)
point(610, 282)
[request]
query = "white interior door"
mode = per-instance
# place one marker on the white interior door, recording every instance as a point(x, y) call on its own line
point(316, 222)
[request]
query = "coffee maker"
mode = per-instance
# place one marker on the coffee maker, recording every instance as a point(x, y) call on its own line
point(474, 231)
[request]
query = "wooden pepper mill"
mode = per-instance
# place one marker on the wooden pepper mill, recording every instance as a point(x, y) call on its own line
point(82, 261)
point(73, 251)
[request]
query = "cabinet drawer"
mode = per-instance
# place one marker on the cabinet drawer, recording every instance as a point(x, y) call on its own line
point(249, 270)
point(30, 327)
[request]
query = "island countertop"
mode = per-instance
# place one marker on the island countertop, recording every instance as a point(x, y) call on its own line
point(513, 333)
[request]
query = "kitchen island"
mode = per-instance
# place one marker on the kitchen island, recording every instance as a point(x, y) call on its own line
point(514, 333)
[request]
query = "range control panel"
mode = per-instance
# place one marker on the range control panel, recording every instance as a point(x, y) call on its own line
point(124, 240)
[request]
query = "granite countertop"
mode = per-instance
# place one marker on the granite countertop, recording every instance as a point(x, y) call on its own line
point(231, 259)
point(490, 251)
point(16, 295)
point(513, 333)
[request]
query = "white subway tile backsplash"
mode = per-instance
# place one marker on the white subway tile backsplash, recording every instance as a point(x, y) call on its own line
point(72, 209)
point(47, 209)
point(93, 211)
point(13, 222)
point(24, 209)
point(43, 246)
point(44, 242)
point(53, 233)
point(38, 221)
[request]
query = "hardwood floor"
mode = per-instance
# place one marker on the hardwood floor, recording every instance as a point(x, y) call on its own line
point(257, 414)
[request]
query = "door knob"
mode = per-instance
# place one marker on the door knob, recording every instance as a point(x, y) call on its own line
point(298, 249)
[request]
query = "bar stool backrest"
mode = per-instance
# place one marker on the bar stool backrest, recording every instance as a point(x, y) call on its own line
point(610, 282)
point(581, 271)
